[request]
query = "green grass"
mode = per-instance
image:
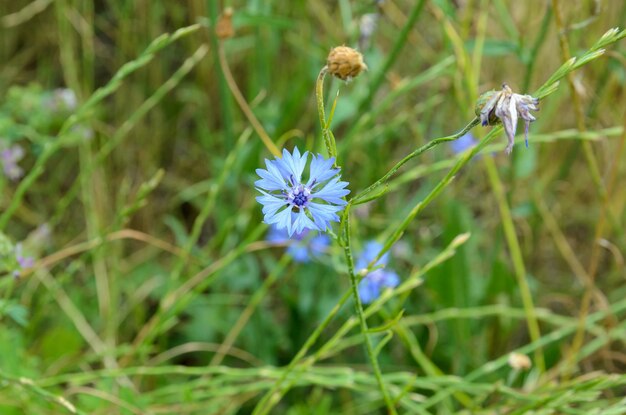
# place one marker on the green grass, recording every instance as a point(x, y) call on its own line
point(155, 290)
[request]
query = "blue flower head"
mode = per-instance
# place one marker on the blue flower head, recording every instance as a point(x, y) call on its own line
point(463, 143)
point(374, 282)
point(303, 246)
point(291, 203)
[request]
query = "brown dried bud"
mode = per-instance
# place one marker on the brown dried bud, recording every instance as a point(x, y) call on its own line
point(345, 63)
point(224, 27)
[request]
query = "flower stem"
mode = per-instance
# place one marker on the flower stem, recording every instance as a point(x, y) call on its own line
point(245, 108)
point(359, 310)
point(517, 259)
point(329, 140)
point(412, 155)
point(597, 178)
point(272, 397)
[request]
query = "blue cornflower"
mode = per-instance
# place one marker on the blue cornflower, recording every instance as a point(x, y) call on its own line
point(302, 246)
point(293, 204)
point(372, 284)
point(463, 143)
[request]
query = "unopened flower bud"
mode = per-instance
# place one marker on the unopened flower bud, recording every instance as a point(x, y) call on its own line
point(224, 27)
point(345, 63)
point(506, 106)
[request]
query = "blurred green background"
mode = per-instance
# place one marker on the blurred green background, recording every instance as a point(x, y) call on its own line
point(154, 290)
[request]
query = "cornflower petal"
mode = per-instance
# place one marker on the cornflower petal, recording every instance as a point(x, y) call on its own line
point(271, 204)
point(295, 163)
point(303, 222)
point(268, 180)
point(333, 192)
point(321, 169)
point(324, 214)
point(282, 220)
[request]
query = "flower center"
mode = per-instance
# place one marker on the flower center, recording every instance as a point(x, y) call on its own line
point(299, 196)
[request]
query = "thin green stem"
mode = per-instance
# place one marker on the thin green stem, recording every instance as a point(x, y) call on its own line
point(393, 55)
point(226, 103)
point(273, 396)
point(517, 258)
point(596, 176)
point(256, 299)
point(332, 152)
point(329, 141)
point(411, 156)
point(534, 51)
point(359, 311)
point(86, 108)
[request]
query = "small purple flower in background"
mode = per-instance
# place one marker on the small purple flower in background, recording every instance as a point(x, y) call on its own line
point(9, 157)
point(63, 99)
point(23, 261)
point(463, 143)
point(374, 282)
point(303, 246)
point(295, 205)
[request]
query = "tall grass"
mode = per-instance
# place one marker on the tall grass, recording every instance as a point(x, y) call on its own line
point(154, 288)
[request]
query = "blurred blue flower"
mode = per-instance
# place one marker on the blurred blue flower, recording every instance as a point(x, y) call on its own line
point(293, 204)
point(463, 143)
point(303, 246)
point(9, 157)
point(374, 282)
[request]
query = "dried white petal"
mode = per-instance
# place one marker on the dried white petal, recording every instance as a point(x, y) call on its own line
point(508, 107)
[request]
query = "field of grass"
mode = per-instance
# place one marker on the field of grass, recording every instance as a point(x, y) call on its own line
point(138, 274)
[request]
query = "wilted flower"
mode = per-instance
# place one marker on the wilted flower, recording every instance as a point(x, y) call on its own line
point(345, 63)
point(519, 361)
point(293, 204)
point(372, 284)
point(9, 158)
point(507, 106)
point(303, 246)
point(463, 143)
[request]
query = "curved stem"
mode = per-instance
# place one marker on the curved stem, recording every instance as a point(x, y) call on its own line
point(245, 108)
point(319, 95)
point(412, 155)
